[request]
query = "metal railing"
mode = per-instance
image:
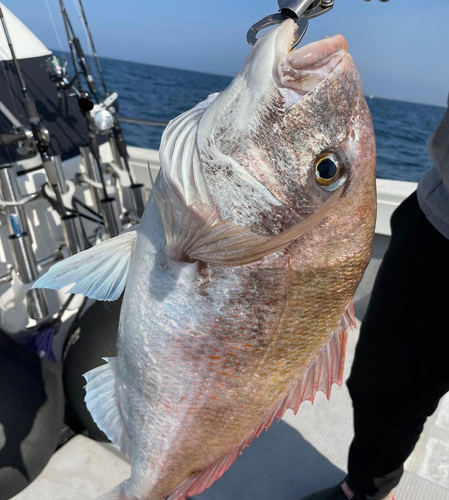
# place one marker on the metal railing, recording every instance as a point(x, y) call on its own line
point(142, 121)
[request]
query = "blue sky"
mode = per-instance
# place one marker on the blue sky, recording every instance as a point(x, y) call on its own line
point(400, 47)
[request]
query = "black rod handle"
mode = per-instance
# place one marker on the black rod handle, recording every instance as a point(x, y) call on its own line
point(85, 67)
point(8, 139)
point(31, 111)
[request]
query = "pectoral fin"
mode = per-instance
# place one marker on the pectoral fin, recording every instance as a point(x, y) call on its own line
point(197, 233)
point(100, 272)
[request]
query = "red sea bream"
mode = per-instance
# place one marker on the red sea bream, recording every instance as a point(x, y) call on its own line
point(240, 276)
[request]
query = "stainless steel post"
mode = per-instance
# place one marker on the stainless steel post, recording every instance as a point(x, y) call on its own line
point(26, 267)
point(138, 198)
point(92, 173)
point(111, 216)
point(115, 152)
point(55, 173)
point(10, 192)
point(71, 228)
point(20, 241)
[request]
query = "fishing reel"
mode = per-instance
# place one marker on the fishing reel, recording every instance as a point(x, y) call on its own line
point(57, 71)
point(101, 116)
point(298, 10)
point(23, 138)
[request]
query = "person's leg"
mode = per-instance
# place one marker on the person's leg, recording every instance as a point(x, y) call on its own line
point(400, 370)
point(400, 367)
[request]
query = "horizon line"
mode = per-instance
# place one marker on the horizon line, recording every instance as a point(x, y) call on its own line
point(368, 96)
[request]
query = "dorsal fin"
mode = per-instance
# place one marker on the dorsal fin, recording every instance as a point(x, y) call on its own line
point(179, 155)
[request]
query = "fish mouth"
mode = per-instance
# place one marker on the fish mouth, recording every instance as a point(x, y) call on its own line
point(300, 71)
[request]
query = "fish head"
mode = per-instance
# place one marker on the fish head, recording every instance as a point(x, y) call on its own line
point(291, 130)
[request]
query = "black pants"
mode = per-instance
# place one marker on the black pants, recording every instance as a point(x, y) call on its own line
point(401, 366)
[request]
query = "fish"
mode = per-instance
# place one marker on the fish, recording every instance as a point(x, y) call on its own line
point(238, 282)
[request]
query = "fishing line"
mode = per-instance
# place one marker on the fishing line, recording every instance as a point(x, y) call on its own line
point(87, 40)
point(68, 29)
point(82, 15)
point(54, 26)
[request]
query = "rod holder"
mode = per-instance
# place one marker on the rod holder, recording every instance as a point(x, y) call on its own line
point(138, 198)
point(108, 208)
point(26, 266)
point(92, 173)
point(10, 192)
point(37, 304)
point(71, 228)
point(55, 173)
point(115, 152)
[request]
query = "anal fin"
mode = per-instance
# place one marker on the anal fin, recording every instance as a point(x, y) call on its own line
point(320, 376)
point(101, 401)
point(325, 371)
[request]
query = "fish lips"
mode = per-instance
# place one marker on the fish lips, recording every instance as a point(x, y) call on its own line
point(298, 72)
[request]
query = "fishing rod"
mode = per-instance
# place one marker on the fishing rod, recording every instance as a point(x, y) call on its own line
point(22, 251)
point(51, 164)
point(80, 60)
point(94, 51)
point(117, 141)
point(99, 120)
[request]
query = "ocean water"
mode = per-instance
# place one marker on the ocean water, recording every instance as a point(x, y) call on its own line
point(159, 93)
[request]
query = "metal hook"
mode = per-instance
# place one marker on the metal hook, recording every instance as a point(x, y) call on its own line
point(272, 20)
point(298, 10)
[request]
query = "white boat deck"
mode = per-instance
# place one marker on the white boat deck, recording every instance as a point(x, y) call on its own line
point(299, 455)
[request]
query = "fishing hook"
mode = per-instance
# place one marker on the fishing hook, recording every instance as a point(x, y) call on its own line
point(298, 10)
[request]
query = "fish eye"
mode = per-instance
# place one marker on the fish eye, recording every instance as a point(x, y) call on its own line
point(328, 171)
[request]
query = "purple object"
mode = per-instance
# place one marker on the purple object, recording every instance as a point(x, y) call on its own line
point(40, 342)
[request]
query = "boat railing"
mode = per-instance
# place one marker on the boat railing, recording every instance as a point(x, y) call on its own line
point(142, 121)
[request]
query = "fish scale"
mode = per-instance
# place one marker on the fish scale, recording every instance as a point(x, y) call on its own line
point(220, 377)
point(240, 276)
